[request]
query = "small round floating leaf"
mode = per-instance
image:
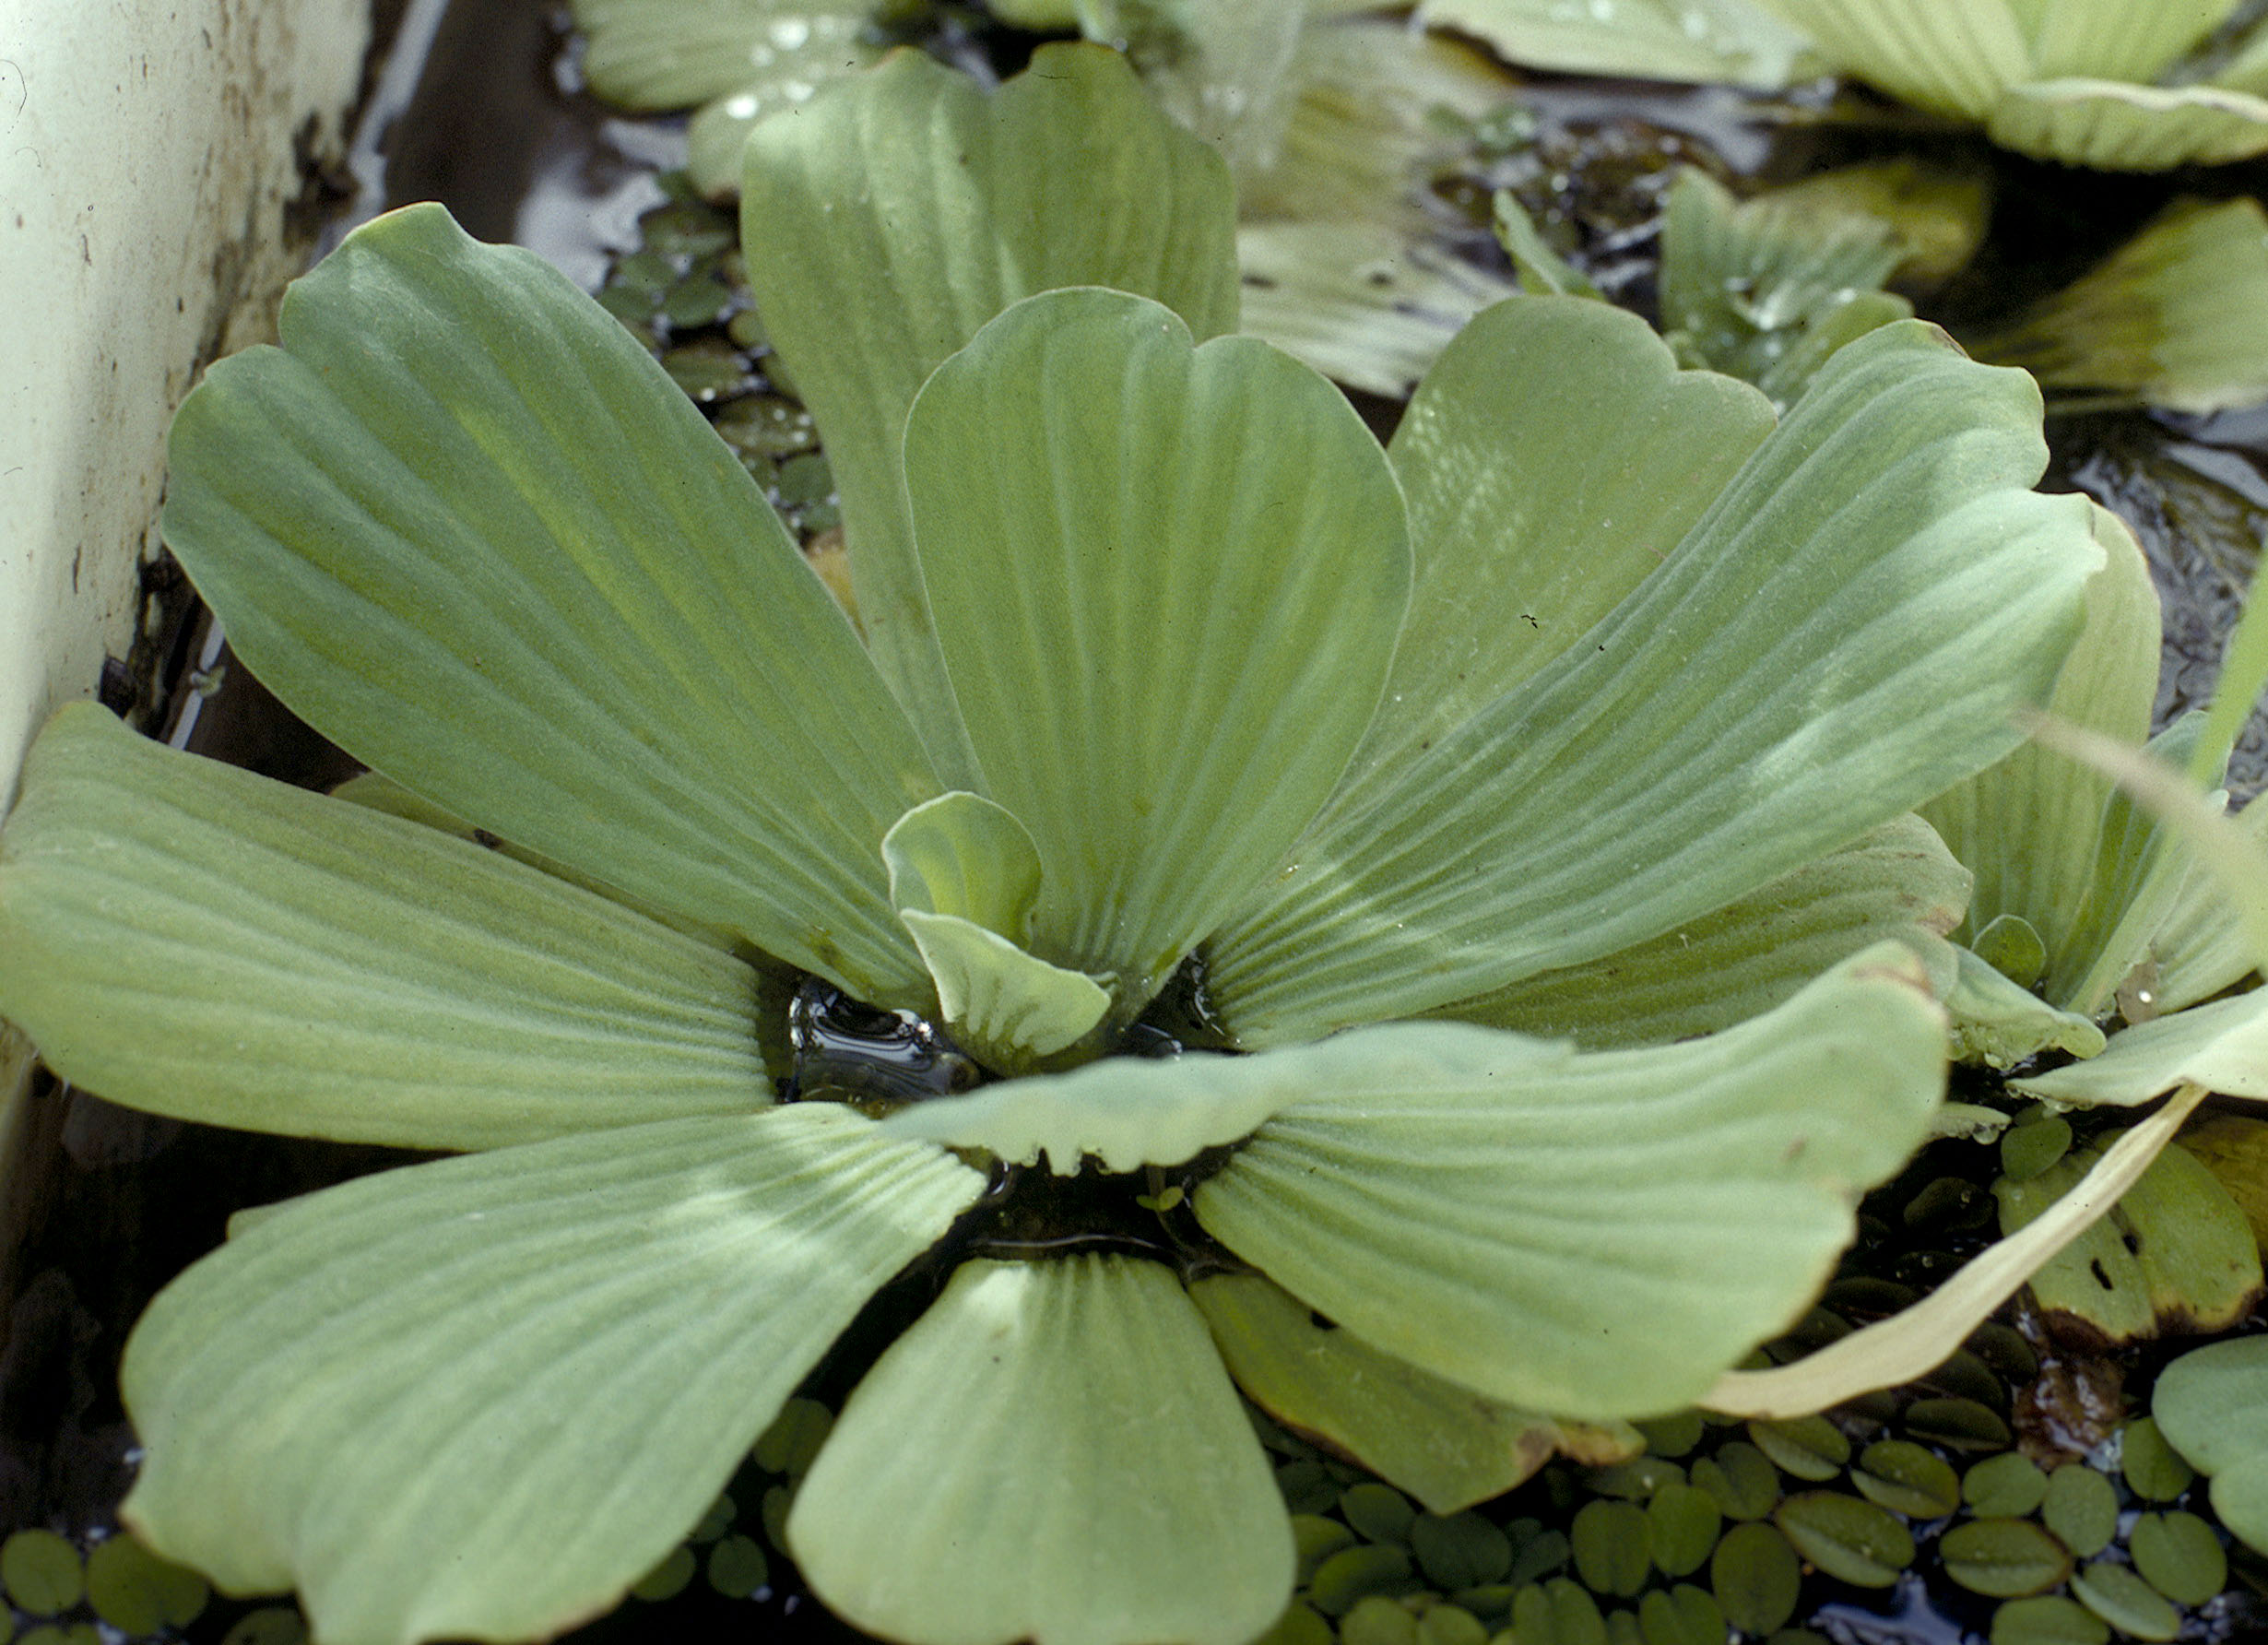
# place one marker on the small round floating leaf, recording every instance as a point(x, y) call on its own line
point(738, 1568)
point(2049, 1621)
point(1451, 1625)
point(2123, 1599)
point(2179, 1555)
point(1492, 1602)
point(1457, 1551)
point(42, 1572)
point(667, 1580)
point(1307, 1487)
point(1906, 1478)
point(1622, 1628)
point(1557, 1613)
point(1683, 1521)
point(1300, 1625)
point(1808, 1446)
point(2081, 1507)
point(1755, 1576)
point(1546, 1552)
point(2004, 1558)
point(2028, 1150)
point(1671, 1436)
point(1684, 1616)
point(1634, 1481)
point(270, 1625)
point(1964, 1424)
point(138, 1592)
point(1379, 1511)
point(2151, 1468)
point(1612, 1546)
point(1352, 1574)
point(1376, 1620)
point(1963, 1375)
point(2004, 1352)
point(1847, 1537)
point(777, 1501)
point(1741, 1478)
point(1315, 1539)
point(2004, 1486)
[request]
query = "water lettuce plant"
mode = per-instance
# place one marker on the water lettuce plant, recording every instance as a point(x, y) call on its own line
point(2120, 85)
point(1165, 680)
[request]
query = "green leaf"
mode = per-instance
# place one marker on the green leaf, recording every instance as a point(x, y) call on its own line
point(1528, 1221)
point(898, 212)
point(1562, 501)
point(1167, 585)
point(1844, 634)
point(2111, 126)
point(2223, 1047)
point(673, 54)
point(2115, 39)
point(2212, 1406)
point(1753, 955)
point(1005, 1006)
point(197, 941)
point(1743, 284)
point(2165, 320)
point(2201, 947)
point(1852, 1540)
point(2031, 827)
point(716, 137)
point(1131, 1112)
point(483, 1396)
point(1702, 41)
point(2004, 1558)
point(1052, 1453)
point(2173, 1256)
point(961, 855)
point(466, 527)
point(1363, 302)
point(1446, 1446)
point(2000, 1024)
point(1949, 59)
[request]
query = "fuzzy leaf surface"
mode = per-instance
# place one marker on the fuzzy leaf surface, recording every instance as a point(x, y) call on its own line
point(673, 54)
point(1707, 41)
point(1897, 881)
point(1167, 588)
point(883, 226)
point(463, 525)
point(2222, 1045)
point(483, 1396)
point(195, 940)
point(1948, 59)
point(1053, 1454)
point(2112, 126)
point(1593, 1234)
point(1844, 634)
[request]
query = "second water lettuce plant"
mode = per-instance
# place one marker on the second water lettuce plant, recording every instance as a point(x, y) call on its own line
point(1169, 674)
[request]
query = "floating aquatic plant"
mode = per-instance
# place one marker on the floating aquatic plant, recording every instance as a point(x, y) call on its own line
point(1167, 678)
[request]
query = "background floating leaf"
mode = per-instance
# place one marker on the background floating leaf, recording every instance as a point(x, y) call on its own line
point(1755, 1576)
point(2004, 1558)
point(1612, 1546)
point(42, 1572)
point(2081, 1507)
point(2151, 1467)
point(2006, 1484)
point(1848, 1537)
point(135, 1591)
point(2050, 1620)
point(2179, 1555)
point(2123, 1599)
point(1907, 1479)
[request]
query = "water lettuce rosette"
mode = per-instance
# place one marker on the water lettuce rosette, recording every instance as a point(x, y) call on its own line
point(1596, 695)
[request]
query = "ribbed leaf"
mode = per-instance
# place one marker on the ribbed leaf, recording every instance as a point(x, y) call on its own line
point(466, 527)
point(1705, 41)
point(1843, 634)
point(482, 1397)
point(2112, 126)
point(1999, 1024)
point(1130, 1112)
point(191, 939)
point(1003, 1005)
point(2212, 1405)
point(2116, 39)
point(717, 133)
point(1532, 515)
point(1052, 1453)
point(1363, 302)
point(2202, 946)
point(1749, 956)
point(673, 54)
point(1950, 59)
point(1167, 585)
point(961, 855)
point(1446, 1446)
point(2223, 1047)
point(2169, 318)
point(896, 214)
point(2030, 827)
point(1594, 1235)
